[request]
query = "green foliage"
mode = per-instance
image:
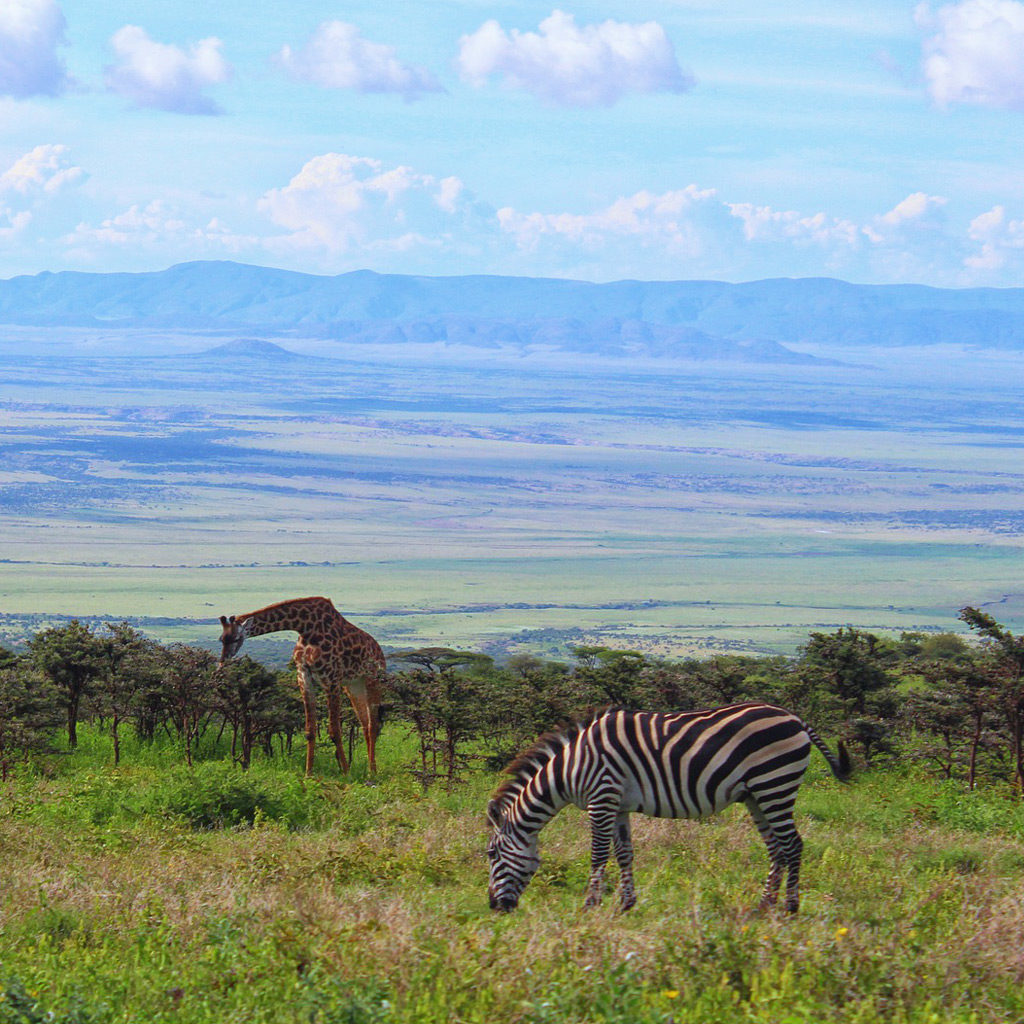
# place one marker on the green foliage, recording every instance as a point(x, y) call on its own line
point(925, 698)
point(72, 657)
point(29, 713)
point(218, 795)
point(19, 1006)
point(979, 811)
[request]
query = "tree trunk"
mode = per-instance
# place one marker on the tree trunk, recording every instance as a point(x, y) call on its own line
point(246, 741)
point(1018, 747)
point(975, 741)
point(74, 698)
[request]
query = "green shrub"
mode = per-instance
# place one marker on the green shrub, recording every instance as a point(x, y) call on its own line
point(980, 811)
point(217, 794)
point(19, 1006)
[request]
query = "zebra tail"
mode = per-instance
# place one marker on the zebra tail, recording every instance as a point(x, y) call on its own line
point(842, 766)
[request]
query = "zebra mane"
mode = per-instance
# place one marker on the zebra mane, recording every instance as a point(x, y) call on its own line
point(525, 766)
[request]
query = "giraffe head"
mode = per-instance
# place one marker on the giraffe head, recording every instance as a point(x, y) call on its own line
point(231, 637)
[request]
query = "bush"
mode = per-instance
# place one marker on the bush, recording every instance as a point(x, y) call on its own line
point(219, 795)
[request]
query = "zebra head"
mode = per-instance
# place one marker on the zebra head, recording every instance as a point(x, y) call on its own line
point(513, 862)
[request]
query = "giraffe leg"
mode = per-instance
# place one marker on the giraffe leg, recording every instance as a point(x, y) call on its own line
point(309, 703)
point(334, 727)
point(371, 728)
point(367, 712)
point(365, 716)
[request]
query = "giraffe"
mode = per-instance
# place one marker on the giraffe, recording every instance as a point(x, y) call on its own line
point(331, 653)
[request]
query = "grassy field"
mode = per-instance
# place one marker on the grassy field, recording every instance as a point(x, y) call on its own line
point(155, 893)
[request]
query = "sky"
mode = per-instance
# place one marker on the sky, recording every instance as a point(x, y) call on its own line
point(880, 141)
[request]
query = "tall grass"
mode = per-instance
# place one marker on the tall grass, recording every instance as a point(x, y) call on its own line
point(155, 893)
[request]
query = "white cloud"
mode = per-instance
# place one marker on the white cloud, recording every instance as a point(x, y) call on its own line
point(159, 75)
point(975, 52)
point(31, 182)
point(1000, 241)
point(695, 232)
point(764, 224)
point(570, 65)
point(669, 221)
point(338, 203)
point(30, 32)
point(160, 224)
point(336, 56)
point(918, 208)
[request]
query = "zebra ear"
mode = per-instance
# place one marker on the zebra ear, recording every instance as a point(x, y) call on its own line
point(494, 814)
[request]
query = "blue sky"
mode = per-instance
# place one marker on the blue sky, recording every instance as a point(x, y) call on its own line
point(877, 141)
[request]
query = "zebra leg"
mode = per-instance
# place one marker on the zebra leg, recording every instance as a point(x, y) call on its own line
point(624, 856)
point(792, 846)
point(602, 830)
point(770, 896)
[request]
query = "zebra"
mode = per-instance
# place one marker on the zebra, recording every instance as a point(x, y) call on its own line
point(667, 765)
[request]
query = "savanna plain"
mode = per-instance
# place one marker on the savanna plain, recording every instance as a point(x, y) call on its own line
point(678, 511)
point(517, 506)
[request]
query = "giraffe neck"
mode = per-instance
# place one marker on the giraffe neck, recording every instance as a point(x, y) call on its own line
point(307, 616)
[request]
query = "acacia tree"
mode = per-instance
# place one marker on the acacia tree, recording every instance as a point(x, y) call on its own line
point(611, 676)
point(254, 702)
point(133, 669)
point(959, 708)
point(72, 657)
point(186, 674)
point(29, 712)
point(1006, 670)
point(443, 699)
point(854, 666)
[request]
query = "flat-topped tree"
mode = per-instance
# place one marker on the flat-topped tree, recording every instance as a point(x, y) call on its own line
point(330, 653)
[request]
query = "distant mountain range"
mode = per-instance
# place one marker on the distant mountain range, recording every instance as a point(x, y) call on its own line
point(756, 321)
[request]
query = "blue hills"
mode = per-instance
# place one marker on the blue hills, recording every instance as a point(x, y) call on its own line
point(694, 319)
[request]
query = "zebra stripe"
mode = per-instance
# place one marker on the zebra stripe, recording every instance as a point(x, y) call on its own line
point(686, 765)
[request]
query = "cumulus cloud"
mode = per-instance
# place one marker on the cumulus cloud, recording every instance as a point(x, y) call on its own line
point(974, 52)
point(669, 221)
point(32, 181)
point(30, 32)
point(764, 224)
point(336, 56)
point(572, 65)
point(162, 227)
point(165, 77)
point(999, 240)
point(696, 232)
point(339, 203)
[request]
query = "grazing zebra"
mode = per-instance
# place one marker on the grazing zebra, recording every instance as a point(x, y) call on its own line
point(686, 765)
